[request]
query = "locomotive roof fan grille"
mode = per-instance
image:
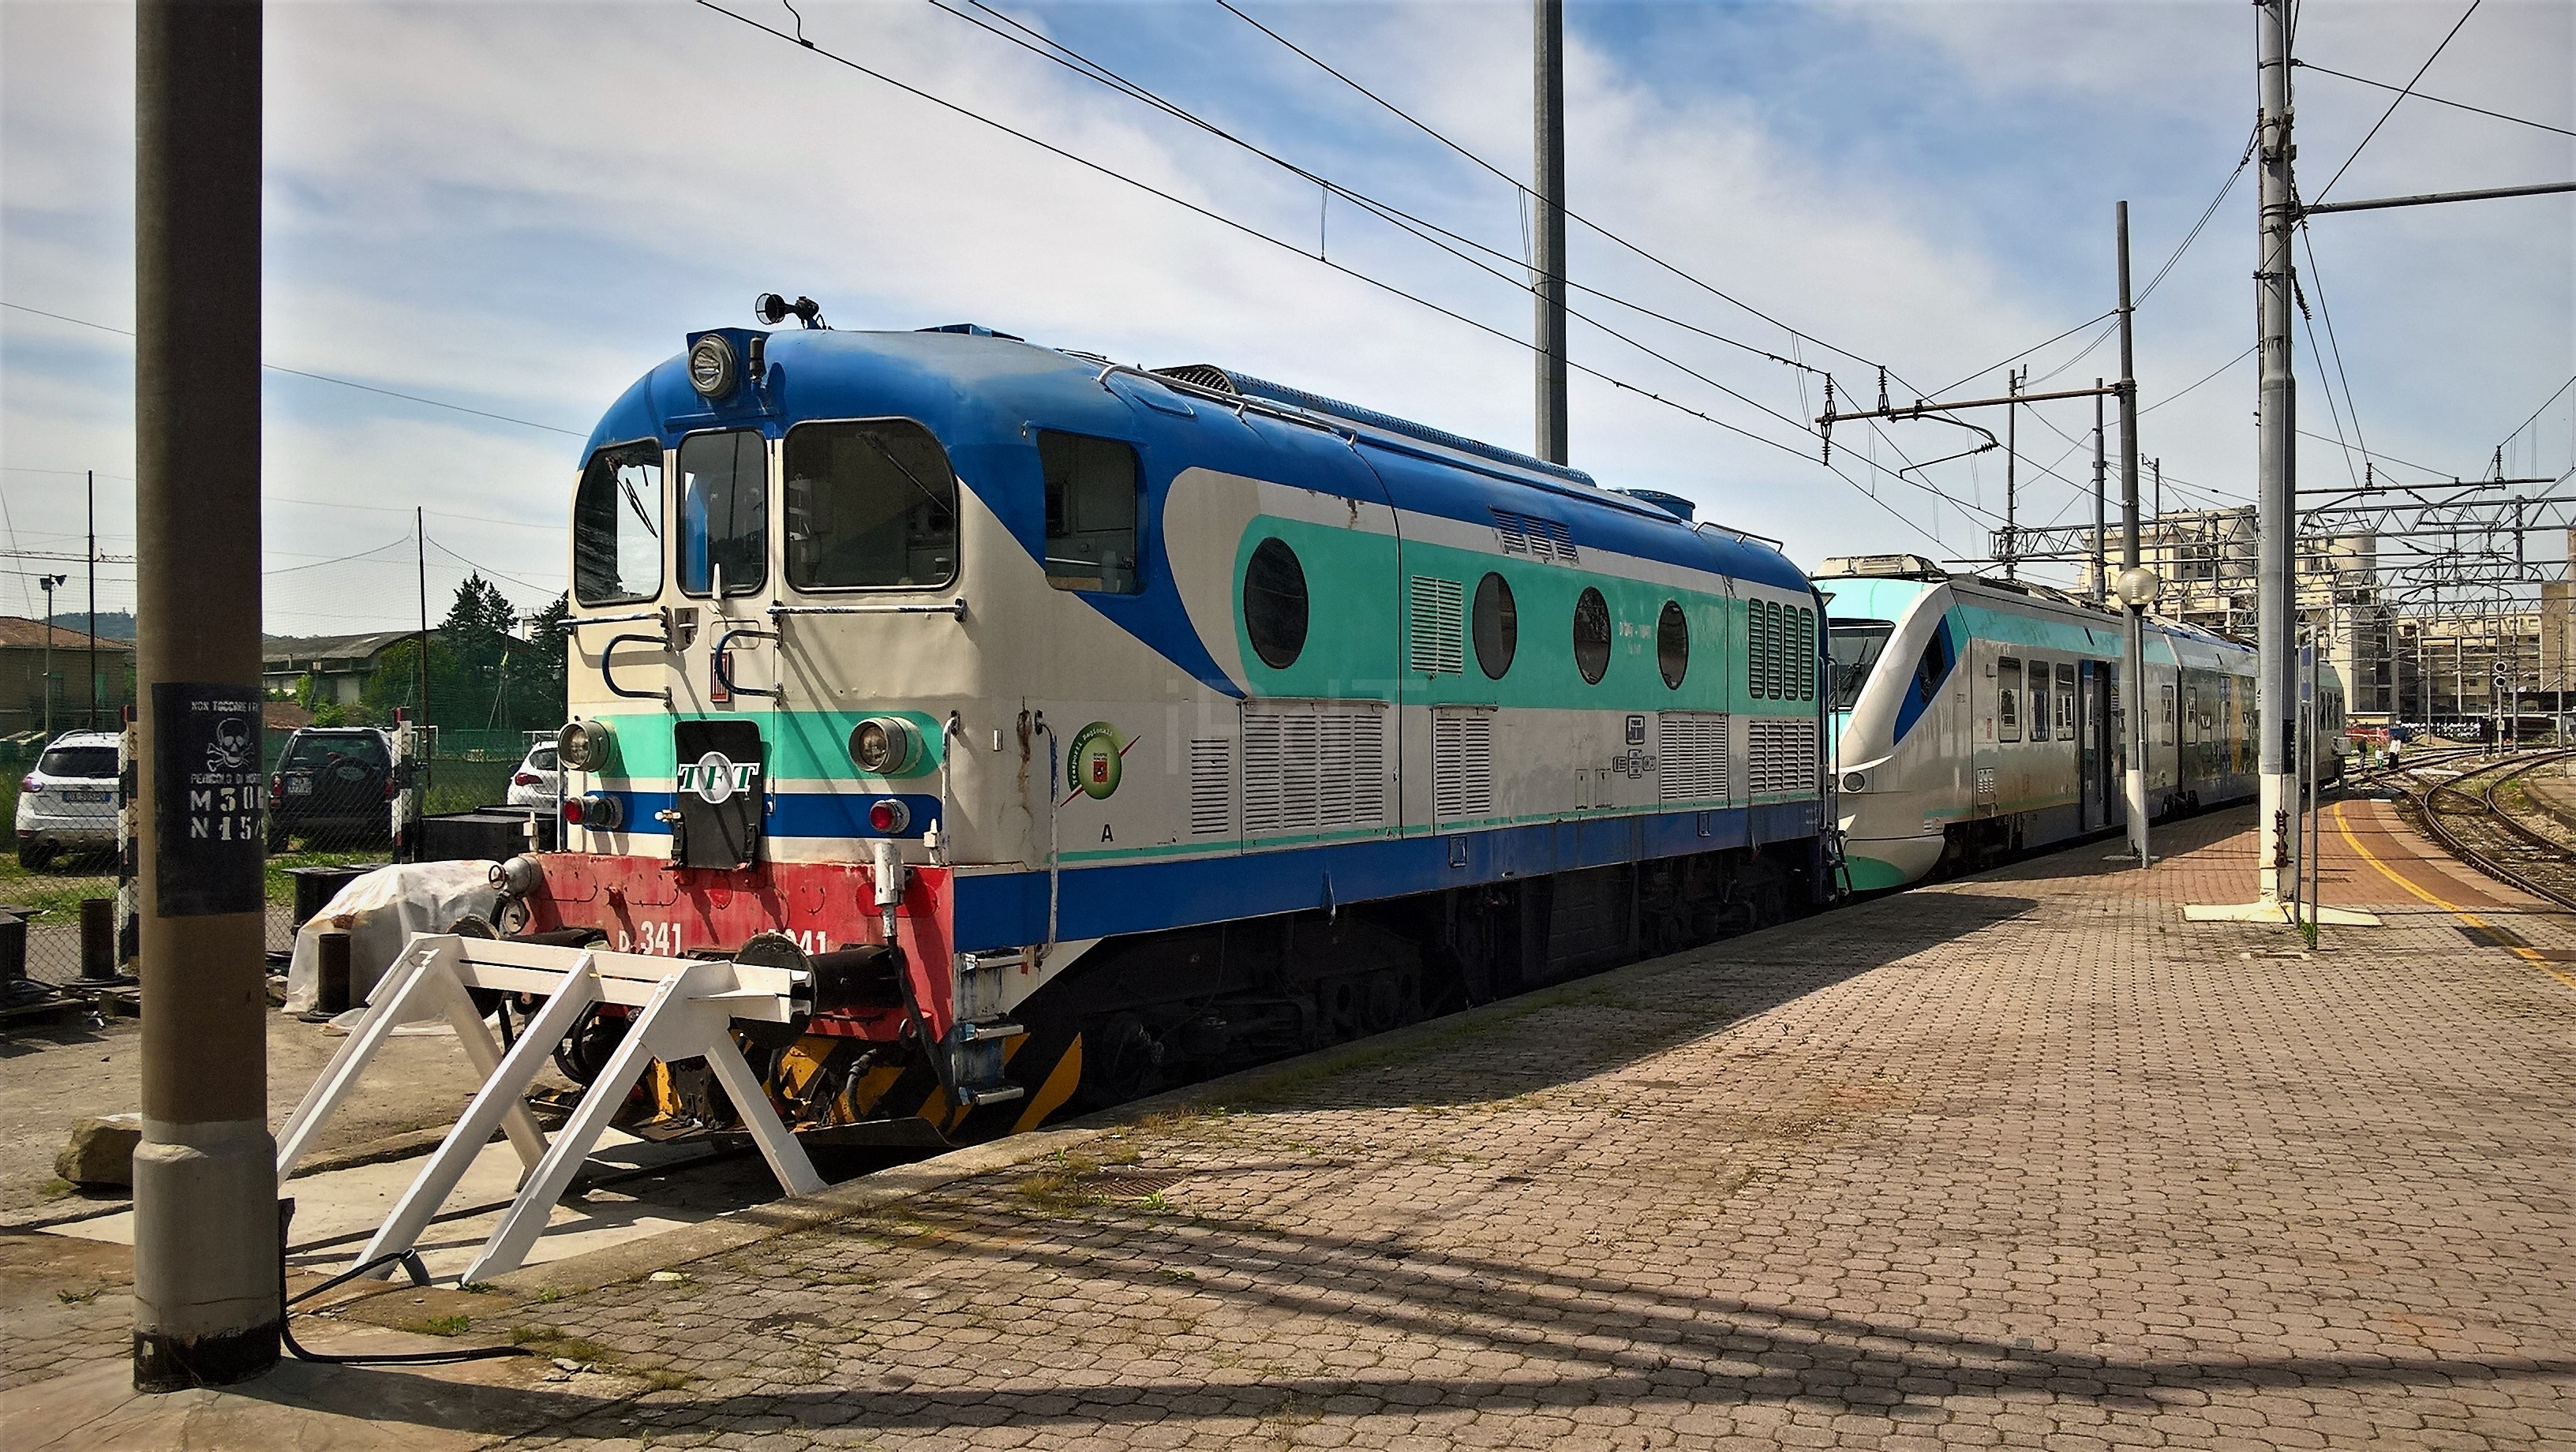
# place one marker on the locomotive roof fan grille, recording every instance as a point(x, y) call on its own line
point(1243, 385)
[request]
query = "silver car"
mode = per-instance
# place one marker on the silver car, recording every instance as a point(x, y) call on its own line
point(68, 803)
point(538, 778)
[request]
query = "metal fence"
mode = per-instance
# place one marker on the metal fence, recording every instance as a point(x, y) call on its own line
point(470, 770)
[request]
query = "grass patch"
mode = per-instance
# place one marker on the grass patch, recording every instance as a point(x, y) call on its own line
point(75, 1298)
point(57, 891)
point(56, 1189)
point(1065, 1182)
point(437, 1326)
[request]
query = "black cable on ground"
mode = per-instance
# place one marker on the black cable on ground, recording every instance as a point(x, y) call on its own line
point(411, 1264)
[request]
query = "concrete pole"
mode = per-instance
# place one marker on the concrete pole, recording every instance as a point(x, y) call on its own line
point(2134, 639)
point(2276, 662)
point(1547, 54)
point(206, 1273)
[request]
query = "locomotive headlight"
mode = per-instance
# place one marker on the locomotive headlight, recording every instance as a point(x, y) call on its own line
point(583, 745)
point(885, 746)
point(712, 367)
point(1854, 782)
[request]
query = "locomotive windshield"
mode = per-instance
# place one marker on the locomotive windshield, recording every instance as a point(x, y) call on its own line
point(869, 504)
point(724, 512)
point(1855, 646)
point(617, 526)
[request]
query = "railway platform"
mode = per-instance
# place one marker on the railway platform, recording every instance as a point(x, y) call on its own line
point(2022, 1160)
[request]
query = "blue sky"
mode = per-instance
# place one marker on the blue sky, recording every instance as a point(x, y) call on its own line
point(518, 209)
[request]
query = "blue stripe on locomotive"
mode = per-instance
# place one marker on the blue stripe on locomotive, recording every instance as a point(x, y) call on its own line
point(979, 395)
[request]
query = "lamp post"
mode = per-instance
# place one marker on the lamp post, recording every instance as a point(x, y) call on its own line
point(45, 685)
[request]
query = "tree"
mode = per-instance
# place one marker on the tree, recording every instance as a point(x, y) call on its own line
point(537, 686)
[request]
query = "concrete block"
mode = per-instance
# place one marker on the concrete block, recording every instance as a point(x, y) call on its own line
point(101, 1151)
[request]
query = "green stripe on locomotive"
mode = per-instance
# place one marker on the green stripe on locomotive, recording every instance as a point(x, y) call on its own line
point(1355, 645)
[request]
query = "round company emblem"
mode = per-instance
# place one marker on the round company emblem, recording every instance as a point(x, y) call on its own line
point(1093, 759)
point(714, 774)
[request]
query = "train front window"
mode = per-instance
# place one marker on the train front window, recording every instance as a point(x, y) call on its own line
point(724, 512)
point(617, 526)
point(1855, 646)
point(869, 505)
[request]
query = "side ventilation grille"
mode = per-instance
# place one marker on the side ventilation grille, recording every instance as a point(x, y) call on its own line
point(1462, 765)
point(1783, 752)
point(1313, 767)
point(1534, 535)
point(1211, 785)
point(1437, 631)
point(1690, 755)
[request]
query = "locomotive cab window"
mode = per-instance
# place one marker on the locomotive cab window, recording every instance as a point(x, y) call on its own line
point(617, 526)
point(869, 505)
point(724, 512)
point(1931, 668)
point(1094, 489)
point(1855, 646)
point(2008, 699)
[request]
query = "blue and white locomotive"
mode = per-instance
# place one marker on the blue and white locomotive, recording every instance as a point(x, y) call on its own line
point(1098, 728)
point(1973, 718)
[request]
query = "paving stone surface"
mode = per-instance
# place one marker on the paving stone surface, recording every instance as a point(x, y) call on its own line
point(2020, 1161)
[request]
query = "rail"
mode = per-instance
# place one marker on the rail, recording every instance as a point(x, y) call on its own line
point(2463, 815)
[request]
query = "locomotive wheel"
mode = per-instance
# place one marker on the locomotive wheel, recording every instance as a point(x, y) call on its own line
point(584, 1052)
point(1120, 1062)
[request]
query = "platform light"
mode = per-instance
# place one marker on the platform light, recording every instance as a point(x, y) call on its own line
point(2137, 585)
point(712, 366)
point(885, 746)
point(889, 815)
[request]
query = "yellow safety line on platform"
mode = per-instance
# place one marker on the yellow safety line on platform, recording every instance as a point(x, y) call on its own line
point(2527, 954)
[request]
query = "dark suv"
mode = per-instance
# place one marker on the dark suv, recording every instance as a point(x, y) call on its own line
point(334, 788)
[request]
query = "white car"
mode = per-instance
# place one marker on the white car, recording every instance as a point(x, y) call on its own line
point(68, 803)
point(538, 779)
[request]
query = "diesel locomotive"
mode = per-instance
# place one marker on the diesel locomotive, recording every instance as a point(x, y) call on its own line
point(1089, 728)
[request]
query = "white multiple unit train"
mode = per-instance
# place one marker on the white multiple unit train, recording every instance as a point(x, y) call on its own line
point(1974, 717)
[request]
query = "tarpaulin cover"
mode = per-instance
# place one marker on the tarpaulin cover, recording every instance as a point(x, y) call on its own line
point(380, 911)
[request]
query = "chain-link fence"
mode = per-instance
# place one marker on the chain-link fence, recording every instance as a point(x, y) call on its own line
point(330, 805)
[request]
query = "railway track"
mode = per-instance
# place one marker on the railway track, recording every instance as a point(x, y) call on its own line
point(2533, 849)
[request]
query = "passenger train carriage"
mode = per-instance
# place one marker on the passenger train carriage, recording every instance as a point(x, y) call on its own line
point(1090, 729)
point(1974, 717)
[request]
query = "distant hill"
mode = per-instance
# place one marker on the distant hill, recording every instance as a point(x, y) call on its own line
point(112, 624)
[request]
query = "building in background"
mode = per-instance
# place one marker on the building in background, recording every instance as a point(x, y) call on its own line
point(23, 677)
point(2206, 559)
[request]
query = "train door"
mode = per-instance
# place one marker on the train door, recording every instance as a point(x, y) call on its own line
point(2097, 694)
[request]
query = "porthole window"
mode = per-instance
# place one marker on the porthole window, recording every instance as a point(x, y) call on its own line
point(1274, 604)
point(1498, 626)
point(1672, 644)
point(1591, 636)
